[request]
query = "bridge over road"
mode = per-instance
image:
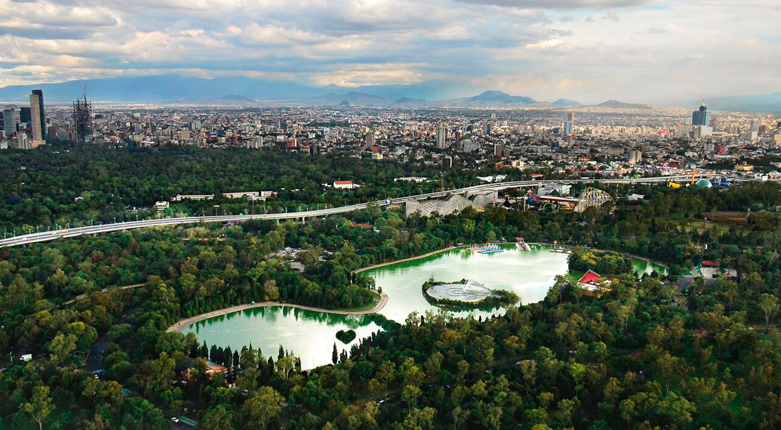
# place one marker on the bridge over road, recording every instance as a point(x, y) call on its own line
point(46, 236)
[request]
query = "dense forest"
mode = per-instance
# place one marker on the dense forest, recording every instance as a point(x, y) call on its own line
point(98, 184)
point(644, 355)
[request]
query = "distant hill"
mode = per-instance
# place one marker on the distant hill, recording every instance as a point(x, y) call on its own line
point(566, 103)
point(174, 88)
point(239, 98)
point(752, 103)
point(501, 97)
point(162, 88)
point(491, 98)
point(405, 101)
point(615, 104)
point(353, 98)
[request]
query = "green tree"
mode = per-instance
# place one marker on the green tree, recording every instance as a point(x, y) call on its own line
point(40, 405)
point(218, 418)
point(263, 407)
point(768, 304)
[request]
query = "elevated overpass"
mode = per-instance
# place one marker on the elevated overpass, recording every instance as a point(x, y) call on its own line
point(46, 236)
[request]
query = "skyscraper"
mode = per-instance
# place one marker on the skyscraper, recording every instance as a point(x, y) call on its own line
point(38, 116)
point(442, 136)
point(25, 115)
point(569, 124)
point(9, 122)
point(82, 119)
point(701, 116)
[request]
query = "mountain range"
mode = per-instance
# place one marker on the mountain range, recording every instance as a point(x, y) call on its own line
point(244, 90)
point(249, 91)
point(615, 104)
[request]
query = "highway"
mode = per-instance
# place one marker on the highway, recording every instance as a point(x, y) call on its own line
point(46, 236)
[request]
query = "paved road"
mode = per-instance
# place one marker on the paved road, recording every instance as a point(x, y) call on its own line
point(105, 228)
point(84, 296)
point(95, 358)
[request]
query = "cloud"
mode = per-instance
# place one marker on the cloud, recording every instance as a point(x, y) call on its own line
point(578, 49)
point(376, 74)
point(561, 4)
point(44, 20)
point(546, 44)
point(611, 15)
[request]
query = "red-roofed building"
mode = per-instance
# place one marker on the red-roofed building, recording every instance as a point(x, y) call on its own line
point(590, 278)
point(590, 281)
point(709, 263)
point(345, 185)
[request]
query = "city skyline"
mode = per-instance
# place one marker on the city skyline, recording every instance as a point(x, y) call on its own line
point(656, 52)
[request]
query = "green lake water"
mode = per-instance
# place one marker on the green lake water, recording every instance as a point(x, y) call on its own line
point(311, 335)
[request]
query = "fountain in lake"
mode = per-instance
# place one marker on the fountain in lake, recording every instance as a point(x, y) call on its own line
point(471, 291)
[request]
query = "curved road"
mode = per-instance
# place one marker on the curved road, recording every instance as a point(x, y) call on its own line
point(46, 236)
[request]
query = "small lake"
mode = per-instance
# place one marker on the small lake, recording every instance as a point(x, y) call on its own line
point(311, 335)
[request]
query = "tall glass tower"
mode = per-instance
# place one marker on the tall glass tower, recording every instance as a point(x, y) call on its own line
point(38, 115)
point(701, 117)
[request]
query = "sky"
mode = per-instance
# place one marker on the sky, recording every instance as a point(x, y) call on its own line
point(649, 51)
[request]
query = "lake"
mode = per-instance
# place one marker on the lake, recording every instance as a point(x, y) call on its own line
point(311, 335)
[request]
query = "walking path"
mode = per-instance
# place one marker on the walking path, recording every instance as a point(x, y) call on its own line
point(182, 324)
point(84, 296)
point(377, 266)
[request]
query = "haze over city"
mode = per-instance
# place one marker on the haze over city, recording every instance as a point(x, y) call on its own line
point(645, 51)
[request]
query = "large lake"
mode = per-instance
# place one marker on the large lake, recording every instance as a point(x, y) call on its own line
point(311, 335)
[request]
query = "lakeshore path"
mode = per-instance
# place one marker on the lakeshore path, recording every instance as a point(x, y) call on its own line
point(182, 324)
point(377, 266)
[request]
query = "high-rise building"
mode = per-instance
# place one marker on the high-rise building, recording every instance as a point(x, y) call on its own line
point(568, 127)
point(499, 150)
point(25, 115)
point(369, 141)
point(635, 156)
point(442, 136)
point(255, 142)
point(82, 119)
point(22, 141)
point(487, 128)
point(701, 116)
point(571, 117)
point(9, 122)
point(38, 116)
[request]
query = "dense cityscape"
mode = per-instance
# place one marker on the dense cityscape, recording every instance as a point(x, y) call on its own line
point(610, 140)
